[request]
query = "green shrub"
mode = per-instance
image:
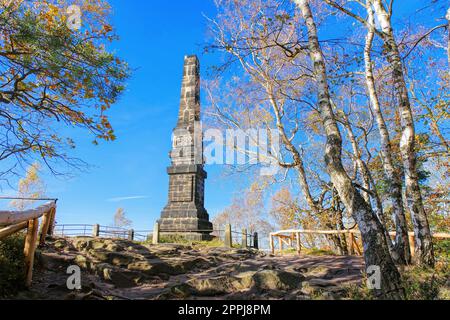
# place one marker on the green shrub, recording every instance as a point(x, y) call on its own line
point(442, 250)
point(420, 283)
point(318, 252)
point(12, 265)
point(178, 239)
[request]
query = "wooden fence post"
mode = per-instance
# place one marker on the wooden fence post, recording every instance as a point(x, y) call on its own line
point(244, 238)
point(46, 220)
point(228, 239)
point(350, 243)
point(51, 227)
point(356, 248)
point(155, 239)
point(412, 244)
point(255, 240)
point(272, 247)
point(29, 249)
point(131, 234)
point(96, 230)
point(299, 246)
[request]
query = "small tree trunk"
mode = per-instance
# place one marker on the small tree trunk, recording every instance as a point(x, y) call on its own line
point(376, 252)
point(424, 245)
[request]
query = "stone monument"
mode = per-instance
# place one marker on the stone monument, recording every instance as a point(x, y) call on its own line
point(185, 214)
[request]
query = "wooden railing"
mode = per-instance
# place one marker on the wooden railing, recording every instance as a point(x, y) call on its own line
point(14, 221)
point(288, 237)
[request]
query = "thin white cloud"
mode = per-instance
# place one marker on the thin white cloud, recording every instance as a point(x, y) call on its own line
point(118, 199)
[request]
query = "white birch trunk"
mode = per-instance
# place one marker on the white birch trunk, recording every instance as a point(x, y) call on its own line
point(401, 254)
point(376, 252)
point(423, 241)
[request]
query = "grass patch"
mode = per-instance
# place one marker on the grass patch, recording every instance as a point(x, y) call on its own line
point(12, 265)
point(318, 252)
point(355, 292)
point(215, 242)
point(420, 283)
point(442, 250)
point(423, 283)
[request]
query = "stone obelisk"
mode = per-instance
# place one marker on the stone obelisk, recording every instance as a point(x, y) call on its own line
point(185, 214)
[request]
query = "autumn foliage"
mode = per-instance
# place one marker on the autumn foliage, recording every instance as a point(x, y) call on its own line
point(53, 76)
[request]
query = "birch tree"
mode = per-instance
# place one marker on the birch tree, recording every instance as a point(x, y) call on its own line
point(393, 179)
point(424, 244)
point(414, 202)
point(376, 251)
point(278, 52)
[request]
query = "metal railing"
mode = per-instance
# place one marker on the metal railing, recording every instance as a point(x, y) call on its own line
point(230, 238)
point(73, 230)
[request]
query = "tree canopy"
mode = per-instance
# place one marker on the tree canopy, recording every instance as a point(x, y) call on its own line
point(54, 76)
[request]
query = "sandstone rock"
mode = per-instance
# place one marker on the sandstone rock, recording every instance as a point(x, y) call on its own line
point(214, 286)
point(266, 280)
point(321, 283)
point(83, 262)
point(122, 278)
point(60, 244)
point(114, 258)
point(152, 267)
point(54, 261)
point(165, 271)
point(271, 280)
point(164, 249)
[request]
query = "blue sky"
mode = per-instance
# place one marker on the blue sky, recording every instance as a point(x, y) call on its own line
point(154, 37)
point(131, 172)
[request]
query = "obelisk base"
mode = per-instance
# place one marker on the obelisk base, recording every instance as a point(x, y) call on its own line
point(192, 229)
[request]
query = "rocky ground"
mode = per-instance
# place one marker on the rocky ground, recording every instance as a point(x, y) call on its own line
point(120, 269)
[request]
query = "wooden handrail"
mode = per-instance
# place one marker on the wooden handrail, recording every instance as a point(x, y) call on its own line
point(14, 221)
point(5, 232)
point(295, 235)
point(13, 217)
point(282, 233)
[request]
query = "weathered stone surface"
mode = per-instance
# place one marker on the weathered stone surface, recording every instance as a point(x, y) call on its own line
point(122, 278)
point(114, 258)
point(258, 281)
point(167, 271)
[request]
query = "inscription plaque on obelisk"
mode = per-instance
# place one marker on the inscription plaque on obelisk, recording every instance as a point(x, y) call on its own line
point(185, 214)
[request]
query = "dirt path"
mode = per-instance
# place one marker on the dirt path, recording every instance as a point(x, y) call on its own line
point(125, 270)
